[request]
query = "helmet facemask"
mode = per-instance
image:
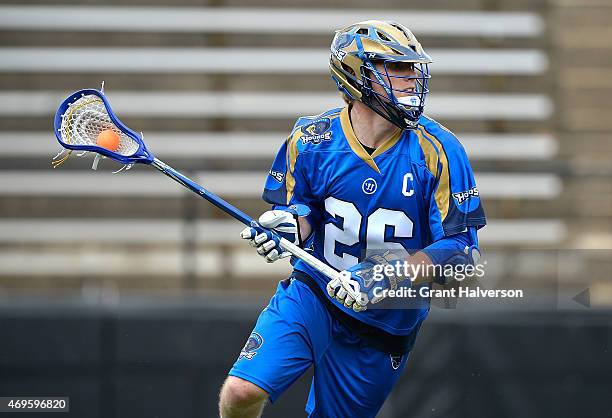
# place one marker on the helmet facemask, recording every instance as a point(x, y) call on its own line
point(397, 97)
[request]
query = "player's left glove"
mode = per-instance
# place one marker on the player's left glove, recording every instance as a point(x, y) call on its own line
point(364, 283)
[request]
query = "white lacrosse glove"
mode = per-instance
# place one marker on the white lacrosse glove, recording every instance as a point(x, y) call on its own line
point(284, 223)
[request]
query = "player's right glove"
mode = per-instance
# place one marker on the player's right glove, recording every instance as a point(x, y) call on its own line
point(469, 257)
point(285, 225)
point(363, 284)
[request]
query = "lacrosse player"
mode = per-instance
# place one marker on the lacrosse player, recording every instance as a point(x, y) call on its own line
point(376, 174)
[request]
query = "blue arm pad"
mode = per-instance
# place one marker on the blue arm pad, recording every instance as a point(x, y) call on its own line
point(296, 209)
point(450, 250)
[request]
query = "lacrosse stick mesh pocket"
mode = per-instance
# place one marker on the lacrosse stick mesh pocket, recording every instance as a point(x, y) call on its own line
point(85, 119)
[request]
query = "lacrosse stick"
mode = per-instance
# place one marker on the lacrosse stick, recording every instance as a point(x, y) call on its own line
point(86, 113)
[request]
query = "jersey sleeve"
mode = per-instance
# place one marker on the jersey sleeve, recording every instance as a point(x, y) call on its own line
point(287, 182)
point(275, 188)
point(454, 198)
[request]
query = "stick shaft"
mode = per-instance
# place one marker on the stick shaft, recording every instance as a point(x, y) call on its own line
point(241, 216)
point(312, 261)
point(196, 188)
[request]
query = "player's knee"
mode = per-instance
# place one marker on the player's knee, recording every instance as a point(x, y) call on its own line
point(239, 393)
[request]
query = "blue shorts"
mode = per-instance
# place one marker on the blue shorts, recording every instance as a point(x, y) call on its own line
point(295, 331)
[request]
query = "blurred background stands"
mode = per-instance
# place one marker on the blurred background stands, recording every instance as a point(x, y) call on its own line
point(215, 87)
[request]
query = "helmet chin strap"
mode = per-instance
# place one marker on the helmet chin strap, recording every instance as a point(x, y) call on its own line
point(374, 102)
point(394, 114)
point(410, 104)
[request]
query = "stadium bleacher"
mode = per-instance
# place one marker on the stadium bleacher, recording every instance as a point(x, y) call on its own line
point(215, 90)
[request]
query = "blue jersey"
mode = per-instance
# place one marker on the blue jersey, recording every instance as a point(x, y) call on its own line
point(416, 188)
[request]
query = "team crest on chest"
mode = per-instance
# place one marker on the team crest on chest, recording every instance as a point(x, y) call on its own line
point(253, 344)
point(317, 131)
point(369, 186)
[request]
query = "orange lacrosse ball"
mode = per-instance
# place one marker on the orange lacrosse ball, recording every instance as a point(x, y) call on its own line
point(108, 139)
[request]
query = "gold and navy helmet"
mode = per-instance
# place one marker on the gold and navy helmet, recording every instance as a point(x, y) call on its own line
point(357, 49)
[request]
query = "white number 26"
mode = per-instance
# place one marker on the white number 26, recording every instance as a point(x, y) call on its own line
point(348, 233)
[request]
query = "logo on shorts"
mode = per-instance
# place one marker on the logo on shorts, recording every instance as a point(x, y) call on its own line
point(252, 345)
point(396, 361)
point(369, 186)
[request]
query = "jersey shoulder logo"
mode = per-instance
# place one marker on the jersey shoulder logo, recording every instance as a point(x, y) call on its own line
point(277, 175)
point(316, 131)
point(461, 197)
point(253, 344)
